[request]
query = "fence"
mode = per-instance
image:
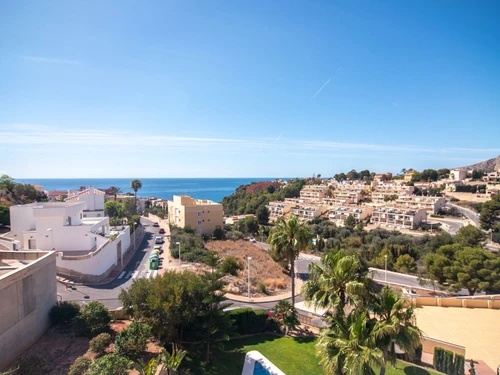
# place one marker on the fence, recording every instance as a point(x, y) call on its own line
point(472, 303)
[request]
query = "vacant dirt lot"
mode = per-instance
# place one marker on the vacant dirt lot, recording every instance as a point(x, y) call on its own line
point(263, 269)
point(60, 348)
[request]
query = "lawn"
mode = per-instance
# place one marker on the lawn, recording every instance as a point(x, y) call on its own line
point(294, 356)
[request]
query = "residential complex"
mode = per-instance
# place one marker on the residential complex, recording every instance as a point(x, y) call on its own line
point(203, 215)
point(398, 217)
point(87, 249)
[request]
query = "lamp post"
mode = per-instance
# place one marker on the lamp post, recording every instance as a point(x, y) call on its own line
point(178, 243)
point(135, 225)
point(51, 236)
point(385, 274)
point(249, 259)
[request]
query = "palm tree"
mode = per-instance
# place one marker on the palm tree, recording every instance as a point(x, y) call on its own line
point(338, 280)
point(395, 326)
point(286, 312)
point(348, 346)
point(148, 368)
point(136, 185)
point(171, 362)
point(113, 190)
point(287, 239)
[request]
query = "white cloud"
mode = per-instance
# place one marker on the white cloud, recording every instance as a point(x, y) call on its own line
point(46, 60)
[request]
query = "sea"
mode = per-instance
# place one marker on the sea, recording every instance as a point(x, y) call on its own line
point(200, 188)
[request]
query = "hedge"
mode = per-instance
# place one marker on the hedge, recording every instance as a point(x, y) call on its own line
point(248, 321)
point(444, 362)
point(459, 364)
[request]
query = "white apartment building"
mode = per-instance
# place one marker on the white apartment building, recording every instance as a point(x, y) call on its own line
point(279, 209)
point(339, 214)
point(458, 174)
point(432, 204)
point(94, 199)
point(317, 192)
point(85, 247)
point(307, 212)
point(492, 176)
point(398, 218)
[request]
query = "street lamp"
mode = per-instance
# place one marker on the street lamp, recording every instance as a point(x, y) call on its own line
point(249, 259)
point(135, 225)
point(51, 236)
point(385, 276)
point(178, 243)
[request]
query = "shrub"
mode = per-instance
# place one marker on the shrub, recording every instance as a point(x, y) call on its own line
point(438, 358)
point(131, 342)
point(248, 321)
point(275, 283)
point(80, 366)
point(99, 343)
point(262, 287)
point(231, 266)
point(459, 365)
point(418, 354)
point(273, 325)
point(93, 319)
point(110, 364)
point(32, 365)
point(64, 312)
point(447, 364)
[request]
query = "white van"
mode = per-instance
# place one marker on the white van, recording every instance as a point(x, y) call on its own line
point(158, 240)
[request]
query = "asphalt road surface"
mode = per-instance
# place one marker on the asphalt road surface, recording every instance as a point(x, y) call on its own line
point(474, 217)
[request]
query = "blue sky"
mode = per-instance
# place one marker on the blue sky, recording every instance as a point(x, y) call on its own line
point(246, 89)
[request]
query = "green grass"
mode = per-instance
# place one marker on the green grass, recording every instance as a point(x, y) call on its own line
point(294, 356)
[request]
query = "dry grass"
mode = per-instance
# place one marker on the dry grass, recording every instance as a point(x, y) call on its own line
point(262, 268)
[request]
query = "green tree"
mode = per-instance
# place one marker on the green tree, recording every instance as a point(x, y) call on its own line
point(348, 346)
point(490, 213)
point(129, 207)
point(94, 318)
point(286, 313)
point(231, 266)
point(6, 183)
point(470, 236)
point(132, 341)
point(136, 185)
point(287, 239)
point(215, 323)
point(405, 264)
point(394, 326)
point(338, 280)
point(64, 312)
point(4, 215)
point(350, 222)
point(168, 304)
point(111, 364)
point(114, 209)
point(380, 259)
point(262, 215)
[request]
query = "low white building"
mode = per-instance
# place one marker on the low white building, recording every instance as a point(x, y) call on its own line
point(398, 218)
point(94, 199)
point(86, 249)
point(339, 214)
point(458, 174)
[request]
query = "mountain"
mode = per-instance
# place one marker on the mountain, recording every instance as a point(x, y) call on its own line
point(490, 165)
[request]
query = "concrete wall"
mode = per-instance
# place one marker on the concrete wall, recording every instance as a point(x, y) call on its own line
point(95, 266)
point(428, 345)
point(471, 303)
point(26, 296)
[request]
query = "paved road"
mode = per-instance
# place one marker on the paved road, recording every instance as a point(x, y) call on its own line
point(452, 225)
point(473, 216)
point(138, 267)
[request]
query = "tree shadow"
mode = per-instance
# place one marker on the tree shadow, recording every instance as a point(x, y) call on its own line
point(304, 340)
point(414, 370)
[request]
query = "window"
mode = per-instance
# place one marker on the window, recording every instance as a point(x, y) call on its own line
point(199, 213)
point(67, 221)
point(199, 222)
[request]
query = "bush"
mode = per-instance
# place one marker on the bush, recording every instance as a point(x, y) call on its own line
point(111, 364)
point(231, 266)
point(32, 365)
point(64, 312)
point(248, 321)
point(418, 354)
point(438, 358)
point(93, 319)
point(100, 343)
point(273, 325)
point(80, 366)
point(262, 287)
point(131, 342)
point(448, 362)
point(459, 365)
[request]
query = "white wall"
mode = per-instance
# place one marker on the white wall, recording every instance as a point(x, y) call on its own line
point(98, 262)
point(21, 219)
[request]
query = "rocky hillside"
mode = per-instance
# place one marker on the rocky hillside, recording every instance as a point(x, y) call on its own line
point(490, 165)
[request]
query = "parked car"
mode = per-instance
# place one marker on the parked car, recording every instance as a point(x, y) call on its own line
point(252, 240)
point(159, 248)
point(156, 225)
point(159, 240)
point(161, 231)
